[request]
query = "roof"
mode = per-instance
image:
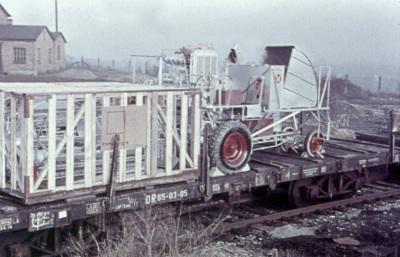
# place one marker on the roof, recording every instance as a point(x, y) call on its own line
point(55, 35)
point(4, 10)
point(21, 32)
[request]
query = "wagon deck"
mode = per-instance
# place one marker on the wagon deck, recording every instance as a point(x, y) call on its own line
point(339, 156)
point(267, 169)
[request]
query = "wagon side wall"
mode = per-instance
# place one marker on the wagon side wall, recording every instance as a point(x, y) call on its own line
point(60, 145)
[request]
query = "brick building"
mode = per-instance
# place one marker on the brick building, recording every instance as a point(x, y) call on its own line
point(28, 49)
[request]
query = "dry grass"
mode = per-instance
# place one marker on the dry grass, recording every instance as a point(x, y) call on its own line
point(141, 235)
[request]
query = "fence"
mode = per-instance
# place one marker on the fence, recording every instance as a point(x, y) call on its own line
point(376, 84)
point(147, 66)
point(122, 65)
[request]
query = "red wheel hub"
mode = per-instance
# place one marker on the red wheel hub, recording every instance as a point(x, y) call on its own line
point(316, 144)
point(234, 149)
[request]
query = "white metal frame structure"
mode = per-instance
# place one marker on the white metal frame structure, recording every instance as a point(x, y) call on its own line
point(52, 140)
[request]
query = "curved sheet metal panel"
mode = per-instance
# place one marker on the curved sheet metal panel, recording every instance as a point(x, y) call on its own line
point(300, 89)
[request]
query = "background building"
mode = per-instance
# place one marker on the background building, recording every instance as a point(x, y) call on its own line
point(29, 50)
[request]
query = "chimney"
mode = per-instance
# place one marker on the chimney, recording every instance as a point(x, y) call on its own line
point(9, 21)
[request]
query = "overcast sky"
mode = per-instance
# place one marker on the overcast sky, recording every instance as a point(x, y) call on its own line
point(359, 34)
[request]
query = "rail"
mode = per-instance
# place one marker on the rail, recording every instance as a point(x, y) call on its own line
point(305, 210)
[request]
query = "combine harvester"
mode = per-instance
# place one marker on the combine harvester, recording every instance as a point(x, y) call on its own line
point(255, 107)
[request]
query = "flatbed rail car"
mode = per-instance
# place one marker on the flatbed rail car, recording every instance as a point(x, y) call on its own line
point(67, 155)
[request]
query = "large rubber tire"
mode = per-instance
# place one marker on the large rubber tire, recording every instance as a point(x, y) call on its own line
point(314, 143)
point(230, 146)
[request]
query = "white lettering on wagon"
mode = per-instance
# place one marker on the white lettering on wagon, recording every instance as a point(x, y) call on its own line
point(42, 219)
point(310, 172)
point(127, 203)
point(5, 224)
point(161, 197)
point(93, 208)
point(216, 188)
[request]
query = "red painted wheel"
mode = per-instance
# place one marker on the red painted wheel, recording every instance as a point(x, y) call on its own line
point(230, 146)
point(314, 143)
point(234, 149)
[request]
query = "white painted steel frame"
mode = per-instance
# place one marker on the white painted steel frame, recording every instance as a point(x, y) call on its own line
point(2, 143)
point(84, 107)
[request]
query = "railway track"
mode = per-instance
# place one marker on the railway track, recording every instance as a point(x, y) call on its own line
point(386, 190)
point(219, 217)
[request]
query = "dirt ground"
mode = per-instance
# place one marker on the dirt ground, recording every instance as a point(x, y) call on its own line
point(360, 230)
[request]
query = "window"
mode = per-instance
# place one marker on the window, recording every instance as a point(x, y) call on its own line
point(39, 56)
point(58, 52)
point(19, 55)
point(50, 59)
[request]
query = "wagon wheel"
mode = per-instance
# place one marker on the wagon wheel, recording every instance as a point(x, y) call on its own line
point(314, 143)
point(300, 192)
point(351, 182)
point(230, 146)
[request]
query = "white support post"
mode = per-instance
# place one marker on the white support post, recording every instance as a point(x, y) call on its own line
point(106, 153)
point(13, 150)
point(88, 140)
point(69, 173)
point(52, 130)
point(149, 135)
point(153, 132)
point(28, 134)
point(122, 152)
point(138, 150)
point(184, 125)
point(2, 144)
point(93, 134)
point(169, 131)
point(196, 131)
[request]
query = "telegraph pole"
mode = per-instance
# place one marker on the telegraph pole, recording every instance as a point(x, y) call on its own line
point(379, 86)
point(56, 16)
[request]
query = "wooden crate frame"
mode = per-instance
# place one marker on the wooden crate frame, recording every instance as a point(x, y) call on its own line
point(62, 127)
